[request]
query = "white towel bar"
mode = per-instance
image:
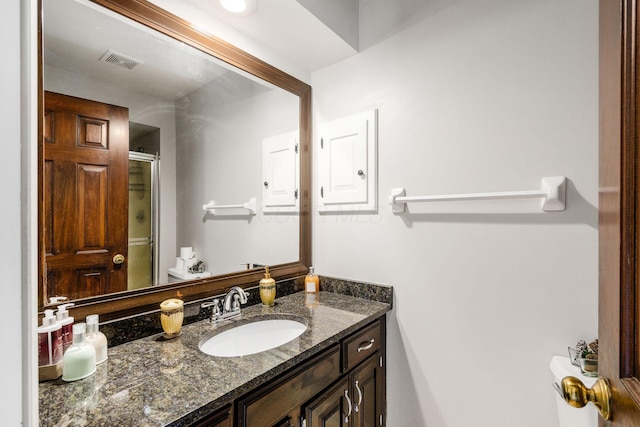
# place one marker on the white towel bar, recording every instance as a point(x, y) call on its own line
point(250, 206)
point(553, 193)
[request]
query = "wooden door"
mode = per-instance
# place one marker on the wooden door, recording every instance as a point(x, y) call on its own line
point(619, 311)
point(330, 408)
point(85, 203)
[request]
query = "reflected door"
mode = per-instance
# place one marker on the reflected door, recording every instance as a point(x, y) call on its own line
point(86, 149)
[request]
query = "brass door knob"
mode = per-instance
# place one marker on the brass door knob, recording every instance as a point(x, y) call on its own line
point(576, 394)
point(118, 259)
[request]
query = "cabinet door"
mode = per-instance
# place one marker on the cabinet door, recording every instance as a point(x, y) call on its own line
point(347, 164)
point(221, 418)
point(331, 408)
point(270, 404)
point(280, 169)
point(367, 384)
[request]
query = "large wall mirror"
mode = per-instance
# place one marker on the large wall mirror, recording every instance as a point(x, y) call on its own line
point(171, 161)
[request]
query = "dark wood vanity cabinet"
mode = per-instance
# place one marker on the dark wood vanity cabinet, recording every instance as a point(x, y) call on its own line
point(355, 401)
point(358, 399)
point(344, 386)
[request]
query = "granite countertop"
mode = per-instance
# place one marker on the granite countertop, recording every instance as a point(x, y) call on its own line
point(155, 382)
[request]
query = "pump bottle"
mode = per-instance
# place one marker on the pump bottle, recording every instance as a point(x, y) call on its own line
point(96, 338)
point(312, 282)
point(311, 289)
point(49, 340)
point(66, 322)
point(80, 359)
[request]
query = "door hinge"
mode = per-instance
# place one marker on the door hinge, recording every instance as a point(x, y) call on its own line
point(296, 148)
point(381, 364)
point(321, 143)
point(381, 420)
point(303, 422)
point(321, 191)
point(296, 194)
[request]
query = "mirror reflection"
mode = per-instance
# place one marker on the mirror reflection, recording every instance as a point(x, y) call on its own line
point(140, 133)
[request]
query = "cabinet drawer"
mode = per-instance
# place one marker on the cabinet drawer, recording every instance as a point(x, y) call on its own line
point(271, 404)
point(361, 345)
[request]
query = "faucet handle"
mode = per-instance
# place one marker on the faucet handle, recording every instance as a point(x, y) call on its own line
point(236, 303)
point(206, 304)
point(215, 313)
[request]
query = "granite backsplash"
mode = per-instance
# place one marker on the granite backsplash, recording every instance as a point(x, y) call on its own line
point(147, 324)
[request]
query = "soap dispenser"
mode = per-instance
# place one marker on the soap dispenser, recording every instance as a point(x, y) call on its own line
point(311, 289)
point(49, 340)
point(66, 322)
point(267, 289)
point(312, 282)
point(96, 338)
point(79, 359)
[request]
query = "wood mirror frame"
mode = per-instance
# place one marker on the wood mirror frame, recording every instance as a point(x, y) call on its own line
point(128, 303)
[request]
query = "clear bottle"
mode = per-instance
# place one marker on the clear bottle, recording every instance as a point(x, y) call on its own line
point(50, 349)
point(66, 322)
point(80, 359)
point(96, 338)
point(311, 290)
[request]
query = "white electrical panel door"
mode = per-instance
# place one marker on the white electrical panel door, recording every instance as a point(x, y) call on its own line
point(348, 164)
point(280, 165)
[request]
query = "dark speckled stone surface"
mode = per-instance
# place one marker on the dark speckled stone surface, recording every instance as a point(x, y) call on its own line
point(149, 382)
point(357, 289)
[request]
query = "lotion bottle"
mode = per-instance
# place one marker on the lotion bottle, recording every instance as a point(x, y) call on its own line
point(96, 338)
point(66, 322)
point(80, 359)
point(49, 340)
point(312, 282)
point(311, 289)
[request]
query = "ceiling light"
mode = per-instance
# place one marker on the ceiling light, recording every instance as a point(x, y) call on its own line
point(239, 7)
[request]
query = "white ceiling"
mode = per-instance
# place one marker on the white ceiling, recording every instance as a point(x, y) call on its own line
point(77, 34)
point(288, 29)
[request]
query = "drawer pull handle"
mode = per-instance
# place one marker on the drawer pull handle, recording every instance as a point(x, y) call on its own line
point(346, 417)
point(357, 408)
point(366, 345)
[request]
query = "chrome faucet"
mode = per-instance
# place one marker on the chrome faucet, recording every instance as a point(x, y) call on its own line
point(230, 306)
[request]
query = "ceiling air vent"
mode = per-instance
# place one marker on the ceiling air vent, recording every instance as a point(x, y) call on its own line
point(120, 60)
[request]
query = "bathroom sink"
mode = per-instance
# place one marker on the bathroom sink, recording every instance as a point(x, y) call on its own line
point(254, 337)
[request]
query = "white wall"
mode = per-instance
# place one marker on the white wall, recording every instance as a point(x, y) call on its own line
point(18, 400)
point(10, 251)
point(474, 95)
point(219, 157)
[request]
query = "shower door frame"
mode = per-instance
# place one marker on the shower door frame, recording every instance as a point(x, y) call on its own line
point(155, 208)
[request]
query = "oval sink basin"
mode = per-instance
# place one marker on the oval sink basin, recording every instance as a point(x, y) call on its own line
point(251, 338)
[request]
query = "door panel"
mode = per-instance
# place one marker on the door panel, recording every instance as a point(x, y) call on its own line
point(92, 209)
point(86, 147)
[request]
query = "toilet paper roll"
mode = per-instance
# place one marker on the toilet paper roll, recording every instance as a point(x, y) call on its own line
point(186, 252)
point(179, 264)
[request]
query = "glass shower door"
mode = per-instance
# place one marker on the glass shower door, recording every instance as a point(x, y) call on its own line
point(142, 271)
